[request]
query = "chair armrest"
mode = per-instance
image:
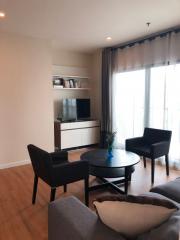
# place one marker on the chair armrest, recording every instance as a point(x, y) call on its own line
point(130, 142)
point(160, 149)
point(59, 157)
point(69, 172)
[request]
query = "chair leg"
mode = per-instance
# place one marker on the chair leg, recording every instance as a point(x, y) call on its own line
point(65, 188)
point(35, 189)
point(127, 176)
point(144, 160)
point(86, 191)
point(53, 193)
point(167, 164)
point(130, 175)
point(152, 170)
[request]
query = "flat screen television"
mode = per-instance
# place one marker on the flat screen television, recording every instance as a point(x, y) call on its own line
point(76, 109)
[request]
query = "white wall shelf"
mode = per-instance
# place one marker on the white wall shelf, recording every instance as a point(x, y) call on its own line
point(57, 88)
point(79, 76)
point(70, 76)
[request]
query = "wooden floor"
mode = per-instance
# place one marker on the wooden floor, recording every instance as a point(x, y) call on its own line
point(19, 219)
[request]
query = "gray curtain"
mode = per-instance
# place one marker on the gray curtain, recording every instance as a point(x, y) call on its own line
point(106, 124)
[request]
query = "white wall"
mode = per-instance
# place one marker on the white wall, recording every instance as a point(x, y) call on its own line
point(26, 109)
point(96, 83)
point(68, 58)
point(26, 94)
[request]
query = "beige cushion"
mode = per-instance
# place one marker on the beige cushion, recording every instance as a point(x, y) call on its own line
point(131, 219)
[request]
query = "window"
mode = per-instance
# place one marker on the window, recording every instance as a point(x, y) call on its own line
point(149, 97)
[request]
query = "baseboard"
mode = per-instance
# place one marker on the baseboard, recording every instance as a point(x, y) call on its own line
point(14, 164)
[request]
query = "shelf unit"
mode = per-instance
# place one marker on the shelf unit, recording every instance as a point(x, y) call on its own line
point(79, 74)
point(82, 90)
point(70, 76)
point(62, 89)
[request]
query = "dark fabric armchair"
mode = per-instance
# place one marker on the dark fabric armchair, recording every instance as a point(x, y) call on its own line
point(55, 170)
point(153, 144)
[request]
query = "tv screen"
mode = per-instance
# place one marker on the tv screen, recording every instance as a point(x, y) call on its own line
point(83, 108)
point(76, 109)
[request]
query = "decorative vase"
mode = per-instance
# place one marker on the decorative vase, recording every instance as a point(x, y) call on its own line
point(110, 140)
point(110, 148)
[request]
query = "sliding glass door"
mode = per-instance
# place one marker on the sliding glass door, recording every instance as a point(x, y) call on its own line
point(165, 104)
point(148, 97)
point(128, 105)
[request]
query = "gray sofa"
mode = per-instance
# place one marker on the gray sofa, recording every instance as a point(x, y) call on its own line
point(69, 219)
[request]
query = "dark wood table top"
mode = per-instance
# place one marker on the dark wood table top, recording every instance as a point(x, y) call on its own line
point(120, 158)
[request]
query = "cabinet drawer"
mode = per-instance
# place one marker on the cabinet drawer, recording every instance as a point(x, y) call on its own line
point(83, 124)
point(90, 136)
point(70, 138)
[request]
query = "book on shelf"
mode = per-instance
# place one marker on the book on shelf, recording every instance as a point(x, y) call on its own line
point(58, 86)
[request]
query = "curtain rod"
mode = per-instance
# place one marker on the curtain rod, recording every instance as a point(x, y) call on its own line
point(149, 37)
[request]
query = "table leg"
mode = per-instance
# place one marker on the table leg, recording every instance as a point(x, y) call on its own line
point(127, 175)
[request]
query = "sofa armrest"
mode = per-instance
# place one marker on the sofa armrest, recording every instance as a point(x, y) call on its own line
point(69, 219)
point(159, 149)
point(170, 190)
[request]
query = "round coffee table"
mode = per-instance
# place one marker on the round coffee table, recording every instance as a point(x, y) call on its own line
point(119, 165)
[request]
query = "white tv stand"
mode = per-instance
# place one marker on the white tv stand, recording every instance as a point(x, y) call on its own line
point(76, 134)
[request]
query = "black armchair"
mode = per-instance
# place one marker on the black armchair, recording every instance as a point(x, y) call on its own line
point(55, 170)
point(153, 144)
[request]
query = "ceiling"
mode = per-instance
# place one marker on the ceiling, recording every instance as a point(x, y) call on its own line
point(83, 25)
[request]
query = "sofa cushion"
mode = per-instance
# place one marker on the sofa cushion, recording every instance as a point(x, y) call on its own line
point(170, 190)
point(169, 230)
point(133, 215)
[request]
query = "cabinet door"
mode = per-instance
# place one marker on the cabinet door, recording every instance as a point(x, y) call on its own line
point(90, 136)
point(71, 138)
point(79, 137)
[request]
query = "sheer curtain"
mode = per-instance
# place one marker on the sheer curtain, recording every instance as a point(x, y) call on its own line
point(157, 51)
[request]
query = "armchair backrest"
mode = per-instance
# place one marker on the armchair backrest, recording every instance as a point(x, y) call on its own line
point(152, 135)
point(41, 162)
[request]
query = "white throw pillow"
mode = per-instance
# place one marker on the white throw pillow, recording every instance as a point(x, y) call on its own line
point(131, 219)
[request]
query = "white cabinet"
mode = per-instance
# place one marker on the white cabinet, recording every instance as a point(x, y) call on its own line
point(77, 134)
